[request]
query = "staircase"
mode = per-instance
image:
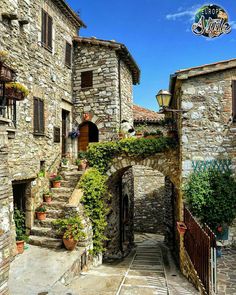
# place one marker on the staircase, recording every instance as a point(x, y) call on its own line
point(43, 232)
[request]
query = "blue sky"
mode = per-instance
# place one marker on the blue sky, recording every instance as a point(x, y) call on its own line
point(158, 35)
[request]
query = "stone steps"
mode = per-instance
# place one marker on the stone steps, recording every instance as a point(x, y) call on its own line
point(55, 214)
point(45, 242)
point(44, 233)
point(55, 205)
point(48, 222)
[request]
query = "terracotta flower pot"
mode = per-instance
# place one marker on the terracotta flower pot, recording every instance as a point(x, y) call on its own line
point(121, 135)
point(82, 166)
point(20, 246)
point(70, 244)
point(139, 134)
point(56, 184)
point(181, 227)
point(41, 215)
point(48, 199)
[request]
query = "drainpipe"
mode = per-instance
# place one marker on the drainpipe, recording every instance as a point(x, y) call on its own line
point(119, 88)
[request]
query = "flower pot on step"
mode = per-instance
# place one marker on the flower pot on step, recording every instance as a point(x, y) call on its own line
point(20, 246)
point(48, 199)
point(70, 244)
point(56, 184)
point(41, 215)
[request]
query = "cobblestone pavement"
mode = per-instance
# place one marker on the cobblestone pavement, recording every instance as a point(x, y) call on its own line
point(226, 269)
point(148, 270)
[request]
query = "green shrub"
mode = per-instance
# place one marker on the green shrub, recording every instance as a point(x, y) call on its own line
point(211, 196)
point(95, 199)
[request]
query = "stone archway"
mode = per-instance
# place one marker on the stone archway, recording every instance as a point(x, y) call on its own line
point(167, 163)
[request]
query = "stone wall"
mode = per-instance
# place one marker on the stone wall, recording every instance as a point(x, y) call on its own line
point(6, 212)
point(126, 84)
point(207, 129)
point(149, 197)
point(101, 100)
point(112, 87)
point(46, 76)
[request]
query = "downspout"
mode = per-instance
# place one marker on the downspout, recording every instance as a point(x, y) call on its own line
point(119, 88)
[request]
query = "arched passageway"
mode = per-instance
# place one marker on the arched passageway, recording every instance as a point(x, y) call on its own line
point(88, 133)
point(122, 202)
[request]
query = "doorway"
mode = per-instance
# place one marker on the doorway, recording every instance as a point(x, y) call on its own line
point(88, 133)
point(65, 124)
point(22, 200)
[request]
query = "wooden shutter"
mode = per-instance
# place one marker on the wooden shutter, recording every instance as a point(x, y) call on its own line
point(41, 116)
point(234, 100)
point(49, 37)
point(87, 79)
point(43, 27)
point(68, 54)
point(36, 116)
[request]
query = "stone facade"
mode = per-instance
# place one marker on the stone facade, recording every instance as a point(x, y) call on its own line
point(109, 100)
point(149, 196)
point(6, 211)
point(47, 77)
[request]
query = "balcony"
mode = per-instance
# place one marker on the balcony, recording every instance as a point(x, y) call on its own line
point(7, 105)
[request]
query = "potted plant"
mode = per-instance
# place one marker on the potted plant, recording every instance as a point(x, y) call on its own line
point(56, 181)
point(41, 212)
point(82, 164)
point(21, 237)
point(140, 129)
point(15, 90)
point(64, 162)
point(47, 195)
point(82, 161)
point(71, 230)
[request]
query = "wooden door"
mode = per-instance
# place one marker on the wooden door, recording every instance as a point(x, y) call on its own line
point(83, 139)
point(65, 115)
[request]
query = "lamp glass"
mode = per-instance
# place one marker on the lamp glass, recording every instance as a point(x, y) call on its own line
point(163, 99)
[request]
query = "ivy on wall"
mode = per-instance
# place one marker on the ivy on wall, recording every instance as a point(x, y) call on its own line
point(100, 155)
point(211, 196)
point(94, 181)
point(95, 197)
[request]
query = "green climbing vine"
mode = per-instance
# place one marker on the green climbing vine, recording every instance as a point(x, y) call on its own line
point(211, 196)
point(95, 199)
point(100, 155)
point(94, 180)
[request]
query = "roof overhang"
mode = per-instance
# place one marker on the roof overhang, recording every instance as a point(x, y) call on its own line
point(70, 13)
point(120, 49)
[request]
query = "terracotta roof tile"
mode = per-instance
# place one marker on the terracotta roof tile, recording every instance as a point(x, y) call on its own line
point(145, 115)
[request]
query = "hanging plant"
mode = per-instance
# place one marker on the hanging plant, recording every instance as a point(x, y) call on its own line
point(74, 133)
point(15, 90)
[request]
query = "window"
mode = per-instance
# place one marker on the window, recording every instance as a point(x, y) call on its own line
point(46, 37)
point(86, 79)
point(38, 116)
point(234, 100)
point(68, 54)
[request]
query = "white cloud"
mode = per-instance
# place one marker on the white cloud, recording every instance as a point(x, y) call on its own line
point(233, 25)
point(188, 14)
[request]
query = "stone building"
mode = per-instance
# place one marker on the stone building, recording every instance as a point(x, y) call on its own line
point(104, 72)
point(74, 83)
point(205, 100)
